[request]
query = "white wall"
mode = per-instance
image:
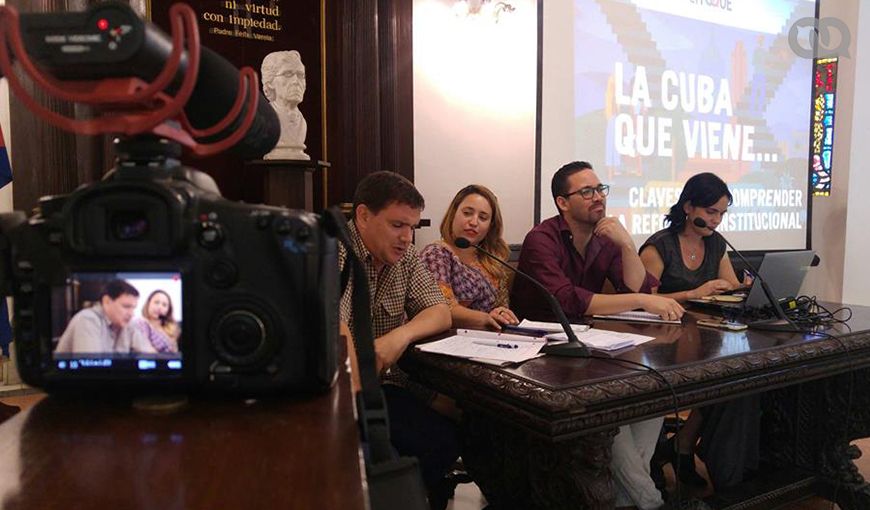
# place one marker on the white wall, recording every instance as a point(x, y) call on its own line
point(829, 227)
point(474, 109)
point(840, 277)
point(856, 284)
point(477, 125)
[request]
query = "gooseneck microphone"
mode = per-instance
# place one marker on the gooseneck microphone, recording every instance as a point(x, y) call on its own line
point(574, 348)
point(783, 323)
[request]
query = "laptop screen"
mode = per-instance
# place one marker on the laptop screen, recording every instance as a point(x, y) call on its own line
point(784, 273)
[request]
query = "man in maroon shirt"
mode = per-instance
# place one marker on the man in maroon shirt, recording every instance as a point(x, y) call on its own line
point(571, 254)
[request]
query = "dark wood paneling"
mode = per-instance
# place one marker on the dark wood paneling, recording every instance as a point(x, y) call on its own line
point(353, 103)
point(396, 86)
point(45, 159)
point(369, 92)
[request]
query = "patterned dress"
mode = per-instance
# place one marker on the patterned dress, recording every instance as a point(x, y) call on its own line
point(159, 340)
point(469, 285)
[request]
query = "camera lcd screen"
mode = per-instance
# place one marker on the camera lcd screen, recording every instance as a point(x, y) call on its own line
point(118, 322)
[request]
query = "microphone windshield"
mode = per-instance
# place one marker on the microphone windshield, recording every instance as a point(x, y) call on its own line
point(700, 223)
point(143, 53)
point(462, 242)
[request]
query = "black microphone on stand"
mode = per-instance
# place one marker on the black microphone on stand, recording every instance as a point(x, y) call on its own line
point(574, 348)
point(782, 322)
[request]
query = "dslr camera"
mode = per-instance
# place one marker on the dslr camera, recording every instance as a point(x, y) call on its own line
point(248, 294)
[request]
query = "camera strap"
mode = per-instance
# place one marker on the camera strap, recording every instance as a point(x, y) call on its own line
point(394, 483)
point(371, 404)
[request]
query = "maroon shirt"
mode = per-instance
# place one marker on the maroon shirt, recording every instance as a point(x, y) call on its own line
point(549, 256)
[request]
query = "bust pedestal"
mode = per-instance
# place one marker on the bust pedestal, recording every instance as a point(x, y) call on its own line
point(288, 182)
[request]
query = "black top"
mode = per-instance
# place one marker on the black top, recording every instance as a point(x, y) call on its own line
point(676, 277)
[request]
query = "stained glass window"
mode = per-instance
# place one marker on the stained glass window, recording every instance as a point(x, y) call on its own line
point(824, 100)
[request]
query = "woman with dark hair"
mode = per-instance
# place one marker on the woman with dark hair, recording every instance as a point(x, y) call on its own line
point(691, 263)
point(476, 287)
point(689, 260)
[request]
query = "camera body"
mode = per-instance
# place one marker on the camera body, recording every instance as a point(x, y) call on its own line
point(257, 285)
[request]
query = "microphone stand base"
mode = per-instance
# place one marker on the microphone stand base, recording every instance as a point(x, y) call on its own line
point(569, 350)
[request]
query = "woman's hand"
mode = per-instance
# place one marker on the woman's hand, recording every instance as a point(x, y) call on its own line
point(711, 288)
point(747, 279)
point(504, 316)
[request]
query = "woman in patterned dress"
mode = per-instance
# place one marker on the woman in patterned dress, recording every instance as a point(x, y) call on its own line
point(157, 322)
point(476, 287)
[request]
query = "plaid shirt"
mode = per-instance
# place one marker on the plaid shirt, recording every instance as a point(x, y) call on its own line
point(397, 294)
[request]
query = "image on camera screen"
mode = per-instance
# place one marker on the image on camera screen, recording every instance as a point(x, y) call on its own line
point(118, 321)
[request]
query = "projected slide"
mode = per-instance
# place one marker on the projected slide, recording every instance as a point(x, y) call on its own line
point(652, 92)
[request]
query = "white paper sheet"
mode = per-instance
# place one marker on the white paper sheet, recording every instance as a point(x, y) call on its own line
point(487, 345)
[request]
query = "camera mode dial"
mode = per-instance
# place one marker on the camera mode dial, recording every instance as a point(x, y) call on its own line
point(211, 235)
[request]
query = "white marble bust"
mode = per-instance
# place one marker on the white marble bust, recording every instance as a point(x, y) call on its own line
point(284, 85)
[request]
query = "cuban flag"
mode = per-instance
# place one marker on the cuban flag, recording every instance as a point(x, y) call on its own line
point(5, 167)
point(5, 178)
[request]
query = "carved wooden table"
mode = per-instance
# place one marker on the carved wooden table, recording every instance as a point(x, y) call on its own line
point(281, 453)
point(539, 435)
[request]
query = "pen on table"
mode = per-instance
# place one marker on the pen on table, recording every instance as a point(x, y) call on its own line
point(496, 343)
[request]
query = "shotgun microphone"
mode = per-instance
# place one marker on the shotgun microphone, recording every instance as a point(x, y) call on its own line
point(129, 46)
point(782, 322)
point(574, 348)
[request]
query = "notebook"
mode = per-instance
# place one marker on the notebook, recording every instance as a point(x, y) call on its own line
point(605, 340)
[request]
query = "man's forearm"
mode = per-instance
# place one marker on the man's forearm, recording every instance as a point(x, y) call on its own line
point(633, 270)
point(604, 304)
point(431, 321)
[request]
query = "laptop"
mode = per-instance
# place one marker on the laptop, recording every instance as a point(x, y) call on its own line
point(784, 273)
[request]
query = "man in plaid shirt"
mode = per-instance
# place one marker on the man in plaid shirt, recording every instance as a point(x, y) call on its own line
point(406, 305)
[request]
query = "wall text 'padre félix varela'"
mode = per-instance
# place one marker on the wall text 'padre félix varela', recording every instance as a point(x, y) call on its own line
point(247, 20)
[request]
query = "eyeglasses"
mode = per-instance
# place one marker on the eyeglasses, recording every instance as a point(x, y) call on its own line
point(588, 191)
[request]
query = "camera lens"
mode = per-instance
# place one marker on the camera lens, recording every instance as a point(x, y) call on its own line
point(241, 338)
point(129, 225)
point(241, 333)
